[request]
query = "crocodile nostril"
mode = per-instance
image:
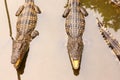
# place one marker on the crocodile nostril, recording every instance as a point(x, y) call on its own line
point(13, 60)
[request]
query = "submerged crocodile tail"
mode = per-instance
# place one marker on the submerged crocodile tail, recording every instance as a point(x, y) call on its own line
point(75, 49)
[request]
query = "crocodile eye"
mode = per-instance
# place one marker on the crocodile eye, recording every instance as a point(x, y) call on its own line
point(73, 2)
point(78, 3)
point(33, 8)
point(19, 45)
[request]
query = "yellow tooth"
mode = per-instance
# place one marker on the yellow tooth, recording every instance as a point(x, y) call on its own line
point(75, 64)
point(17, 63)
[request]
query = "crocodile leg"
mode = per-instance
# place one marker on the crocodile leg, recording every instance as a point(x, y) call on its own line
point(19, 10)
point(83, 10)
point(34, 34)
point(66, 12)
point(37, 9)
point(66, 4)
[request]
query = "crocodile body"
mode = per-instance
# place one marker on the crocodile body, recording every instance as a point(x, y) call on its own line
point(26, 23)
point(115, 2)
point(111, 42)
point(75, 25)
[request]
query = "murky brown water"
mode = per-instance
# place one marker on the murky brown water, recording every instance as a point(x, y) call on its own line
point(48, 58)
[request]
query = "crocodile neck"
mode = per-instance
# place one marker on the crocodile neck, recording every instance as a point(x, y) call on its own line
point(74, 3)
point(27, 1)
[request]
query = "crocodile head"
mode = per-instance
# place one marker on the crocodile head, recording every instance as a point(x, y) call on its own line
point(18, 52)
point(75, 49)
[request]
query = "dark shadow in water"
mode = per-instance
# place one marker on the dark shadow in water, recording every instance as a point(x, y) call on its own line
point(18, 75)
point(20, 70)
point(109, 12)
point(76, 71)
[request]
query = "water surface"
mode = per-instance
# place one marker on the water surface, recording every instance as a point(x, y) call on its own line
point(48, 58)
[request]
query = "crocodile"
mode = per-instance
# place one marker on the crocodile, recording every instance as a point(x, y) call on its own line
point(75, 24)
point(25, 33)
point(111, 42)
point(115, 2)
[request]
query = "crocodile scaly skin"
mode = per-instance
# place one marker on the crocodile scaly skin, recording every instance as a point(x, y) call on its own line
point(26, 23)
point(115, 2)
point(111, 42)
point(75, 25)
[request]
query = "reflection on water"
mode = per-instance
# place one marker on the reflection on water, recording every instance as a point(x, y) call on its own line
point(109, 12)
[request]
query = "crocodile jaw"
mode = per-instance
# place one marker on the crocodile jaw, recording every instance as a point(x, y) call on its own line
point(75, 63)
point(17, 64)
